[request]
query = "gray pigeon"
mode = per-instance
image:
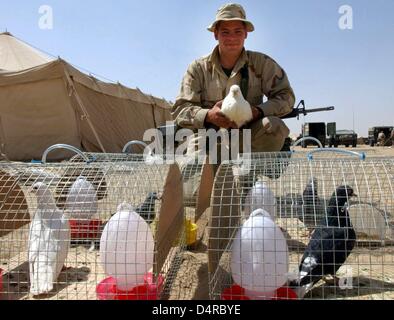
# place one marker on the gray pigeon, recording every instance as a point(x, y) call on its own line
point(308, 207)
point(311, 213)
point(147, 209)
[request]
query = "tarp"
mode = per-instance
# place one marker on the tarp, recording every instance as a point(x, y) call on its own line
point(53, 102)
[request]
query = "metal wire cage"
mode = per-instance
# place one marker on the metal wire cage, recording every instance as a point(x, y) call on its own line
point(90, 230)
point(289, 226)
point(197, 175)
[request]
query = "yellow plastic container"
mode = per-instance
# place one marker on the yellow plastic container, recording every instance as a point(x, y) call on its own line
point(189, 235)
point(191, 232)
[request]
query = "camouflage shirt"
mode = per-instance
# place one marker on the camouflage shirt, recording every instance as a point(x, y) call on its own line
point(205, 83)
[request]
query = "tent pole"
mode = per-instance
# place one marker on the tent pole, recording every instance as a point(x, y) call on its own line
point(70, 81)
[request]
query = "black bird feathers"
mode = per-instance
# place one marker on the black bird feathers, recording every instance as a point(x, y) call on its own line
point(311, 204)
point(331, 242)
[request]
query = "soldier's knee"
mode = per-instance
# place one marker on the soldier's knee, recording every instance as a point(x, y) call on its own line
point(269, 135)
point(275, 126)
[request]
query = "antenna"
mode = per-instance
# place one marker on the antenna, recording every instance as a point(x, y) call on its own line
point(353, 118)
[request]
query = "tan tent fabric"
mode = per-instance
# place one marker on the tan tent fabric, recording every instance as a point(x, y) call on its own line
point(56, 103)
point(16, 55)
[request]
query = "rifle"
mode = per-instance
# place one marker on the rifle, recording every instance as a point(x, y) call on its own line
point(297, 111)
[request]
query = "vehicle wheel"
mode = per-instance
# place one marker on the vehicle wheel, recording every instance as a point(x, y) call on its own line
point(346, 145)
point(355, 145)
point(336, 145)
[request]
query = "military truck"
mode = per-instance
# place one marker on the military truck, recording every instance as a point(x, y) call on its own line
point(340, 137)
point(373, 134)
point(316, 130)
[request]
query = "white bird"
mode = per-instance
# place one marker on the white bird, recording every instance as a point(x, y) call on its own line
point(236, 108)
point(49, 240)
point(81, 202)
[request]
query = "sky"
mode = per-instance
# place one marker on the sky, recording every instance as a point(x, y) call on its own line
point(332, 57)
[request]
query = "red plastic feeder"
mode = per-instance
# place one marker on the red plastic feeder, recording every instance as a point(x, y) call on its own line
point(107, 290)
point(236, 292)
point(285, 293)
point(82, 229)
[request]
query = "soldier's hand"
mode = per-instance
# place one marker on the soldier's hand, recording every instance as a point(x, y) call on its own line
point(217, 118)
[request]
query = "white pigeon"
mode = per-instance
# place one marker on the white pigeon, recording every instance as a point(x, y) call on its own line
point(81, 202)
point(236, 108)
point(49, 240)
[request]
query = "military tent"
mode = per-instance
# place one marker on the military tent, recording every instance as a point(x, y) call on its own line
point(45, 101)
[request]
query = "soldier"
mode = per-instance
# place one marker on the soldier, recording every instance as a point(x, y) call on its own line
point(208, 80)
point(381, 138)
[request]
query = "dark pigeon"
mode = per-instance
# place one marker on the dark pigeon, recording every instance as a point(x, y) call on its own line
point(147, 209)
point(310, 215)
point(331, 242)
point(307, 207)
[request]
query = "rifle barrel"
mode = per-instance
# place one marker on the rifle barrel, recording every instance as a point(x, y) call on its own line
point(297, 111)
point(318, 110)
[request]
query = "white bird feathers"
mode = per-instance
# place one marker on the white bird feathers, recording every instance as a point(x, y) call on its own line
point(236, 108)
point(81, 202)
point(49, 241)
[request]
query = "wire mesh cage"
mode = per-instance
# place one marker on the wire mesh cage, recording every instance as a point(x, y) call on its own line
point(90, 230)
point(300, 225)
point(197, 175)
